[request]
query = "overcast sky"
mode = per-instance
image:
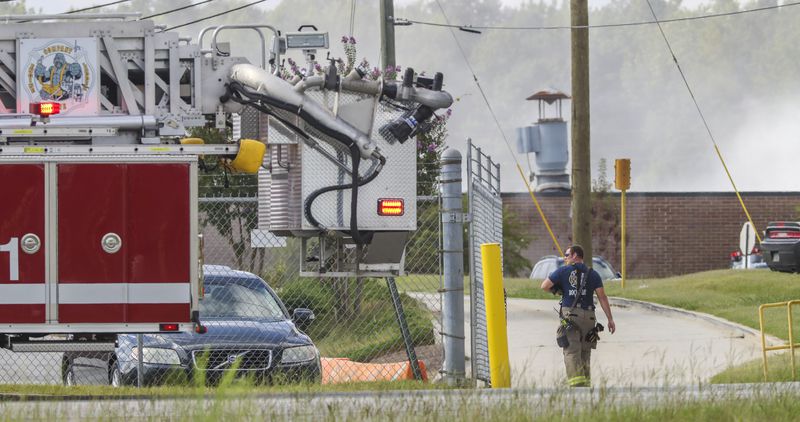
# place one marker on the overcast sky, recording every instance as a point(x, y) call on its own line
point(50, 6)
point(772, 128)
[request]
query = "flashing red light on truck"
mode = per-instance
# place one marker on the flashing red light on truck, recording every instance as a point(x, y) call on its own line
point(391, 207)
point(46, 109)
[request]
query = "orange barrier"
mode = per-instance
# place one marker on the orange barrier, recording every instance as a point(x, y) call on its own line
point(341, 370)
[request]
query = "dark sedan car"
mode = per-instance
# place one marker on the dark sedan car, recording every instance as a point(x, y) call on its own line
point(548, 264)
point(781, 246)
point(249, 330)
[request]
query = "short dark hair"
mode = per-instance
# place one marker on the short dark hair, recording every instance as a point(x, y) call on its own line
point(577, 250)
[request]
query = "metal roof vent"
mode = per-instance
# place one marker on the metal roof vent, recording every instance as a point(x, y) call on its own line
point(548, 140)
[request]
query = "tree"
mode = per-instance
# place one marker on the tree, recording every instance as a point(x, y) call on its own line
point(232, 220)
point(514, 244)
point(605, 215)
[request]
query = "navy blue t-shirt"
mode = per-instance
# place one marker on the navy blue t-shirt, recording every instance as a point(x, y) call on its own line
point(565, 279)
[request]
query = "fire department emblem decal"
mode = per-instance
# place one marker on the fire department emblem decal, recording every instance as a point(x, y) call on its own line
point(573, 278)
point(61, 71)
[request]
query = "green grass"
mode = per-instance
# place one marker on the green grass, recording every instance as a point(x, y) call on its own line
point(779, 366)
point(360, 332)
point(237, 387)
point(515, 287)
point(423, 283)
point(732, 295)
point(780, 407)
point(729, 294)
point(606, 406)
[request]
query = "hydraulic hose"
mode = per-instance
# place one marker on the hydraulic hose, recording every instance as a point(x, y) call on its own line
point(354, 204)
point(237, 90)
point(355, 157)
point(338, 136)
point(279, 93)
point(256, 105)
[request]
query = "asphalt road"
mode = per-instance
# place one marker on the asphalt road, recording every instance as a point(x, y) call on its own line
point(650, 348)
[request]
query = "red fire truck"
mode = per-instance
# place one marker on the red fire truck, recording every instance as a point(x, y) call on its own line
point(98, 183)
point(97, 244)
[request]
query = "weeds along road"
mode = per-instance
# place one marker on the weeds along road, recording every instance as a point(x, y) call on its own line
point(479, 404)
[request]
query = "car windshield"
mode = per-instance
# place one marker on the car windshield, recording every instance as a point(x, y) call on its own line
point(606, 273)
point(547, 265)
point(543, 269)
point(239, 299)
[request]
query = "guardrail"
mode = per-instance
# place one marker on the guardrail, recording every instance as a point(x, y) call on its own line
point(791, 345)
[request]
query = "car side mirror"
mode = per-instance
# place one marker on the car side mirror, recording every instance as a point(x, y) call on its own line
point(619, 275)
point(303, 317)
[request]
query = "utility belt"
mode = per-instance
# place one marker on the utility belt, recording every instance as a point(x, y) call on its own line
point(580, 313)
point(567, 324)
point(585, 308)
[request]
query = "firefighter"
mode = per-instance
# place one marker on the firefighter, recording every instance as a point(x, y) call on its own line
point(577, 284)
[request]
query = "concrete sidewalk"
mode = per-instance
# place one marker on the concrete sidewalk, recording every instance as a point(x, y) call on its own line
point(650, 347)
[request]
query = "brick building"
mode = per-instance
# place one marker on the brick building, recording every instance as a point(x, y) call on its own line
point(669, 233)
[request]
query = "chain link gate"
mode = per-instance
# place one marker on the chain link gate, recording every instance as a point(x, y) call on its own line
point(355, 328)
point(486, 226)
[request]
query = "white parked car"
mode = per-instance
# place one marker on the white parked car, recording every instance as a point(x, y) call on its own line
point(548, 264)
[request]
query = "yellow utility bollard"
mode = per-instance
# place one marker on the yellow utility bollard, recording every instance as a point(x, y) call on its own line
point(500, 369)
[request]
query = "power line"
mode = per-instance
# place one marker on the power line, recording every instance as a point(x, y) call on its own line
point(175, 10)
point(500, 129)
point(702, 116)
point(473, 28)
point(352, 16)
point(96, 7)
point(215, 15)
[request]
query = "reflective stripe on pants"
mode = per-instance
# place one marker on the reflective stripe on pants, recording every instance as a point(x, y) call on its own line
point(577, 356)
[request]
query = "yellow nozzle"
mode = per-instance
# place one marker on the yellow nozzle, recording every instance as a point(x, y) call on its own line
point(250, 156)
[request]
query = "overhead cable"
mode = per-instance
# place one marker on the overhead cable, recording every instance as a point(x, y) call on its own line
point(476, 28)
point(352, 16)
point(96, 7)
point(702, 117)
point(175, 10)
point(500, 129)
point(215, 15)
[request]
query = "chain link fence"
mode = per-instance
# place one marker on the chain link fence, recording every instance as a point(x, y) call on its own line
point(252, 292)
point(486, 226)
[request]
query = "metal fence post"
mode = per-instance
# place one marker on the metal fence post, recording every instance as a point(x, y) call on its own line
point(139, 361)
point(453, 264)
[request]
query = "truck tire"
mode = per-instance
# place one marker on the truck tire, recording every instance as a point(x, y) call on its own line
point(67, 372)
point(114, 374)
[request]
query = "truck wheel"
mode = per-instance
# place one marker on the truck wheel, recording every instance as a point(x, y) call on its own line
point(114, 374)
point(67, 373)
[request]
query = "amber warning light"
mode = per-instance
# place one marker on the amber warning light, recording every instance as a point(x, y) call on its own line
point(391, 207)
point(45, 109)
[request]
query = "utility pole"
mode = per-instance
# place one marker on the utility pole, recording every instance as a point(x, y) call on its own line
point(387, 34)
point(581, 156)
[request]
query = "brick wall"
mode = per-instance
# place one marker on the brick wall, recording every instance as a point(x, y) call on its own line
point(668, 233)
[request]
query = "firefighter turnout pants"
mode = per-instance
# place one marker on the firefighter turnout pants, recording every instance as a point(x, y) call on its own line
point(577, 356)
